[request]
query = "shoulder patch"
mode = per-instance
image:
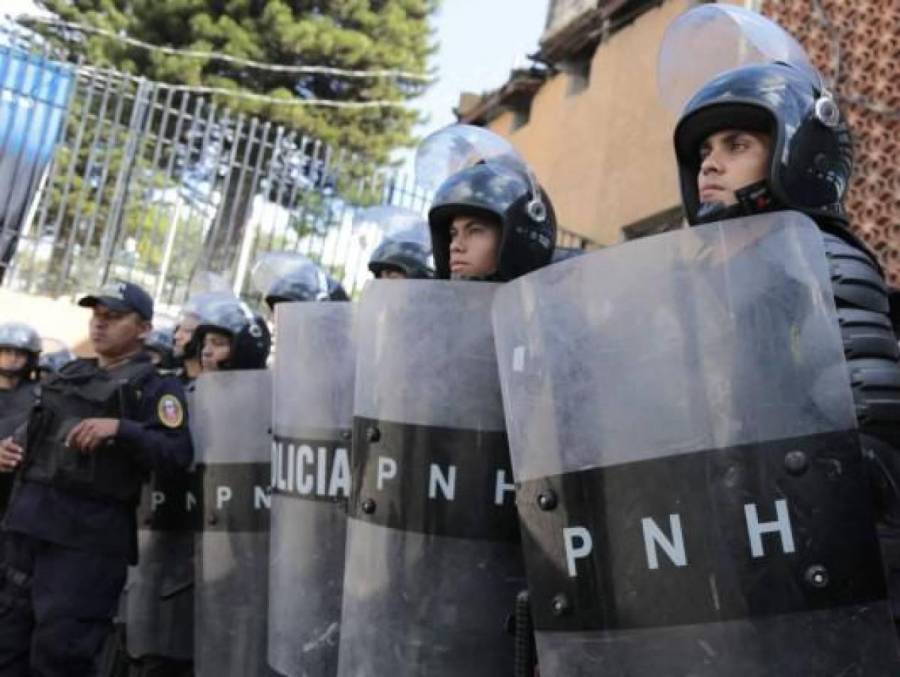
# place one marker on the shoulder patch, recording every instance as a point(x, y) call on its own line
point(170, 411)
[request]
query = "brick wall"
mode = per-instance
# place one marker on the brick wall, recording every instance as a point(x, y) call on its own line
point(856, 44)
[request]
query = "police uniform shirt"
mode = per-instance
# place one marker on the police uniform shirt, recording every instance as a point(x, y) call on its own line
point(157, 439)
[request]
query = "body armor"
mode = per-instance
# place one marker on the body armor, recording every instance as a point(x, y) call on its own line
point(79, 391)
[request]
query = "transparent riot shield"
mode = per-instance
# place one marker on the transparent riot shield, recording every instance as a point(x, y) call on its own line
point(230, 423)
point(690, 484)
point(312, 418)
point(159, 594)
point(433, 556)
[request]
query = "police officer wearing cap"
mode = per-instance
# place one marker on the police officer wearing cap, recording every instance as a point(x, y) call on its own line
point(99, 426)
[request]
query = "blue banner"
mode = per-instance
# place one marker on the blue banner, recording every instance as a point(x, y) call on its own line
point(34, 98)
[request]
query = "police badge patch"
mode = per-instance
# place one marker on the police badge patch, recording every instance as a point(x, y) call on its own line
point(170, 411)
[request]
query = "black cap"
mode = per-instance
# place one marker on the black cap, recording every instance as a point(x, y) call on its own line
point(121, 297)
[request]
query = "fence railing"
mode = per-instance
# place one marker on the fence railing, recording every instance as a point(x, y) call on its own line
point(110, 176)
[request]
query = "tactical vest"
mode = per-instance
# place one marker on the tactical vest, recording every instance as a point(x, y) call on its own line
point(79, 391)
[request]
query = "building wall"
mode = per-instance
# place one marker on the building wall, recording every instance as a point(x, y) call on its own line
point(858, 44)
point(605, 153)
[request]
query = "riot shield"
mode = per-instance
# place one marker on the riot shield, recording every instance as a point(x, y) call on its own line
point(159, 594)
point(433, 556)
point(312, 416)
point(690, 484)
point(230, 427)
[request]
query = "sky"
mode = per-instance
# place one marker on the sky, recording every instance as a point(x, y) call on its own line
point(480, 41)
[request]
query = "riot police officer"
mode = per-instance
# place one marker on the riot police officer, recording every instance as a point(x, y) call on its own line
point(231, 337)
point(426, 402)
point(182, 347)
point(160, 345)
point(20, 349)
point(491, 222)
point(54, 355)
point(99, 427)
point(284, 277)
point(231, 427)
point(158, 604)
point(404, 251)
point(770, 136)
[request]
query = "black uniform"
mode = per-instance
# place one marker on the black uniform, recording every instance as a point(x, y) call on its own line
point(15, 404)
point(71, 520)
point(809, 172)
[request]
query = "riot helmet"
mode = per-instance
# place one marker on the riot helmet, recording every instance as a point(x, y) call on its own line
point(193, 311)
point(247, 333)
point(760, 81)
point(284, 277)
point(336, 291)
point(479, 174)
point(160, 344)
point(405, 241)
point(20, 337)
point(54, 356)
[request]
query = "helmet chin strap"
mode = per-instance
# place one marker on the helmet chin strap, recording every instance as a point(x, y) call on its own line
point(753, 199)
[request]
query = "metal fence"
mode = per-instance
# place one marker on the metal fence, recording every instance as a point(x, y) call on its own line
point(119, 177)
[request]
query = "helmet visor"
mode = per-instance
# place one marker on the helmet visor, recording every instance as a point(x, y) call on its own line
point(712, 39)
point(280, 267)
point(458, 147)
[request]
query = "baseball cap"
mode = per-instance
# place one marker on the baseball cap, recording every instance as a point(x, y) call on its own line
point(122, 297)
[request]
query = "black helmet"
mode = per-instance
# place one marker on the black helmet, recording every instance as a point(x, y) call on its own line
point(284, 277)
point(297, 288)
point(52, 362)
point(410, 258)
point(502, 192)
point(249, 334)
point(336, 291)
point(20, 336)
point(404, 241)
point(195, 308)
point(161, 342)
point(811, 151)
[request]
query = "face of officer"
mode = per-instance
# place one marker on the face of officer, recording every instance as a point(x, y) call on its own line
point(115, 335)
point(391, 274)
point(216, 349)
point(730, 160)
point(474, 243)
point(12, 361)
point(184, 332)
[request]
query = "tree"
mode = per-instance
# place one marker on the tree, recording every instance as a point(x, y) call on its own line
point(363, 35)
